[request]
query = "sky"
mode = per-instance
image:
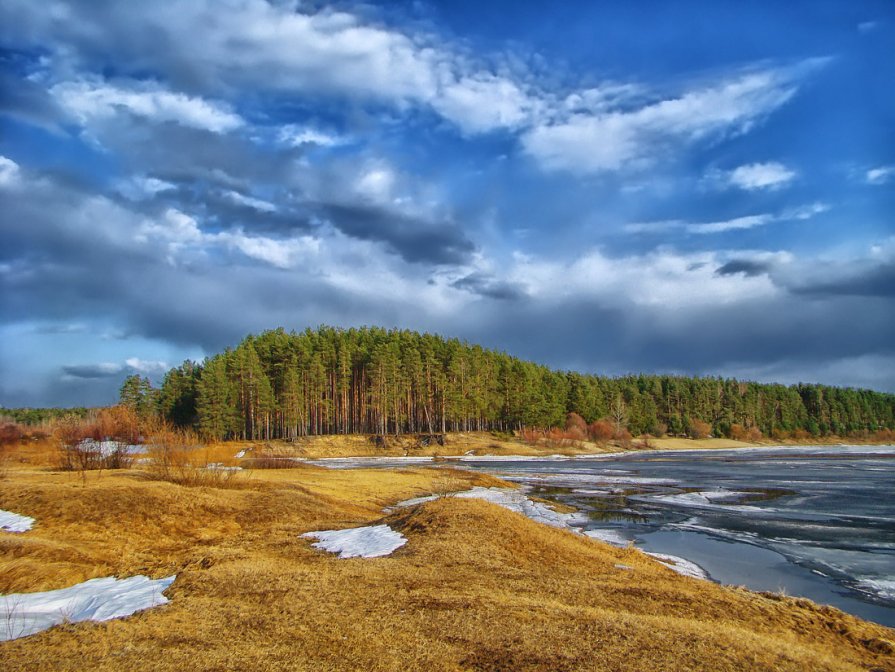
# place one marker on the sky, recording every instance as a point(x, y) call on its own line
point(669, 187)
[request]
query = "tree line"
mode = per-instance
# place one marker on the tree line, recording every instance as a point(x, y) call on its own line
point(377, 381)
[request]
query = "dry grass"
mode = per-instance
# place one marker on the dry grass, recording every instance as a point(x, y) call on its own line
point(475, 588)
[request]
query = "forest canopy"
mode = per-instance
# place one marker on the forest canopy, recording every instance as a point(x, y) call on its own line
point(373, 380)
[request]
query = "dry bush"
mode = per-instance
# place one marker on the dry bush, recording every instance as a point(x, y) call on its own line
point(699, 429)
point(11, 432)
point(100, 441)
point(531, 435)
point(177, 456)
point(576, 422)
point(884, 435)
point(600, 431)
point(623, 437)
point(801, 435)
point(779, 434)
point(754, 434)
point(270, 462)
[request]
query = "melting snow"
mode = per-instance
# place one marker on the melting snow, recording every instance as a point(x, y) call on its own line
point(359, 542)
point(680, 565)
point(23, 614)
point(613, 537)
point(13, 522)
point(514, 500)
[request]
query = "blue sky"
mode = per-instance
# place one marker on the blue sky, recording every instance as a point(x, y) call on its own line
point(686, 187)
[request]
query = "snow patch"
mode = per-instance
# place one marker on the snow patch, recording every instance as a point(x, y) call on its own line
point(359, 542)
point(681, 565)
point(14, 522)
point(23, 614)
point(241, 454)
point(613, 537)
point(513, 500)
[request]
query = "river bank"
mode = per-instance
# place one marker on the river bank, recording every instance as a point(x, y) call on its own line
point(475, 586)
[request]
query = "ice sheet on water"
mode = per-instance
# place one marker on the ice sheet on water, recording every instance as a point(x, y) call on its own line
point(14, 522)
point(883, 587)
point(372, 541)
point(23, 614)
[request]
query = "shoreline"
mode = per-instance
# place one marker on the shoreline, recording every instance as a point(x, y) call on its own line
point(483, 445)
point(550, 598)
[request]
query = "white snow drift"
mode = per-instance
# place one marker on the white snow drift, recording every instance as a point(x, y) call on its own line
point(514, 500)
point(23, 614)
point(359, 542)
point(14, 522)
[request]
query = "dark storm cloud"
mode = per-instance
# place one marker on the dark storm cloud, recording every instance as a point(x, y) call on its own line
point(28, 101)
point(870, 280)
point(92, 370)
point(489, 287)
point(415, 239)
point(748, 267)
point(589, 335)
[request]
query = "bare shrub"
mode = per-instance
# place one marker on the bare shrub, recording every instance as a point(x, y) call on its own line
point(699, 429)
point(600, 431)
point(177, 456)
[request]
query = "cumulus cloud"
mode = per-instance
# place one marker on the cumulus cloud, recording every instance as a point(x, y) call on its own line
point(89, 100)
point(616, 140)
point(754, 177)
point(9, 172)
point(880, 175)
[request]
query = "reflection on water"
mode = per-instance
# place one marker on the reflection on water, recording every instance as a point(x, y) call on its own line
point(818, 522)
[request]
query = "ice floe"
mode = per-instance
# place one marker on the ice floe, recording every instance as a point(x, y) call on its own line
point(681, 565)
point(23, 614)
point(884, 588)
point(14, 522)
point(359, 542)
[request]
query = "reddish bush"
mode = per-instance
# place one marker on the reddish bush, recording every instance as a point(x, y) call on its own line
point(575, 421)
point(11, 432)
point(699, 429)
point(600, 431)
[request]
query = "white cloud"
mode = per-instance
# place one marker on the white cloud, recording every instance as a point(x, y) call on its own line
point(90, 100)
point(146, 366)
point(249, 201)
point(659, 278)
point(139, 187)
point(748, 222)
point(376, 184)
point(800, 213)
point(880, 175)
point(297, 136)
point(9, 172)
point(615, 140)
point(757, 176)
point(174, 227)
point(281, 253)
point(484, 102)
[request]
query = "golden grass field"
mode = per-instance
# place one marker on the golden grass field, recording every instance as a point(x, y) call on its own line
point(476, 587)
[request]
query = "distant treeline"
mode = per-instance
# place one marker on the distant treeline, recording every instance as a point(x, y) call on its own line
point(370, 380)
point(38, 416)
